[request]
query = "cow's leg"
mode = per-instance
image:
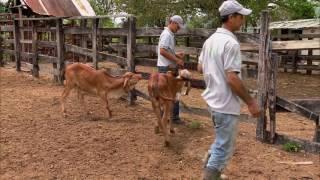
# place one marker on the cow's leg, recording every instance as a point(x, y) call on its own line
point(108, 113)
point(171, 104)
point(165, 122)
point(64, 95)
point(156, 109)
point(81, 100)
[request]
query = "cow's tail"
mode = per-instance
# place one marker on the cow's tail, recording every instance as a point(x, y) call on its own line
point(166, 98)
point(63, 76)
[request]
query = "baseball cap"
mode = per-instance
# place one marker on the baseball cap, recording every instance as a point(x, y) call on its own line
point(232, 6)
point(178, 19)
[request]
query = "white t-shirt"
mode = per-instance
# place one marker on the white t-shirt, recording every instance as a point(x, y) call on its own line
point(167, 42)
point(220, 54)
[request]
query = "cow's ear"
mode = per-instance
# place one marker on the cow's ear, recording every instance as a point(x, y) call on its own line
point(170, 73)
point(128, 75)
point(179, 78)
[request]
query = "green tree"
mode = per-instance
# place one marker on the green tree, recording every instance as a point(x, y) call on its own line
point(295, 9)
point(103, 7)
point(3, 7)
point(202, 13)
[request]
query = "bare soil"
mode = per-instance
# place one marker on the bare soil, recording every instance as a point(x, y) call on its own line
point(36, 142)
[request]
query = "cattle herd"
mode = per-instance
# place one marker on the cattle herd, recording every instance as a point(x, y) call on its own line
point(164, 89)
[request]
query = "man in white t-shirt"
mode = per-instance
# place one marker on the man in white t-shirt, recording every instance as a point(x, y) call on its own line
point(168, 59)
point(220, 63)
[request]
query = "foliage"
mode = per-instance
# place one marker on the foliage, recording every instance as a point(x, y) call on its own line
point(291, 147)
point(202, 13)
point(295, 9)
point(195, 125)
point(3, 7)
point(103, 7)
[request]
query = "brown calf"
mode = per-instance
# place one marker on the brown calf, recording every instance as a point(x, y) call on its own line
point(164, 88)
point(87, 80)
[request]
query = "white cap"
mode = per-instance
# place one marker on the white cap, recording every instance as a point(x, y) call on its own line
point(232, 6)
point(178, 19)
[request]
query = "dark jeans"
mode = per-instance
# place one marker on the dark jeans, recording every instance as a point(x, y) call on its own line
point(175, 111)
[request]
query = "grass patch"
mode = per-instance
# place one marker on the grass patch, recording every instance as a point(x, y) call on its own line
point(195, 125)
point(292, 147)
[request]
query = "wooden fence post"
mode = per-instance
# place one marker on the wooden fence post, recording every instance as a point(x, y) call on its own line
point(264, 57)
point(35, 59)
point(95, 24)
point(123, 40)
point(131, 46)
point(17, 45)
point(309, 62)
point(187, 44)
point(272, 95)
point(60, 52)
point(317, 131)
point(24, 47)
point(295, 62)
point(83, 25)
point(1, 52)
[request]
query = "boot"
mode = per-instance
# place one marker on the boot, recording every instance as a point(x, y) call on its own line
point(211, 174)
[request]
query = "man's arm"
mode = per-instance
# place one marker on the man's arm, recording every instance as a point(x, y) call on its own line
point(180, 55)
point(171, 57)
point(199, 68)
point(238, 88)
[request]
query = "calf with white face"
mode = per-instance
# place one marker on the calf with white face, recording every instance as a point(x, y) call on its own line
point(164, 89)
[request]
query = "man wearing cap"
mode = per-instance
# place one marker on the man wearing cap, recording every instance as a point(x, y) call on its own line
point(168, 59)
point(220, 63)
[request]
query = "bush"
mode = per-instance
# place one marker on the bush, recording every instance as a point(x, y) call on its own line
point(195, 125)
point(292, 147)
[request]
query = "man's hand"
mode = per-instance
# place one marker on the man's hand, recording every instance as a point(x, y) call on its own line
point(172, 57)
point(254, 109)
point(199, 68)
point(180, 63)
point(180, 55)
point(238, 88)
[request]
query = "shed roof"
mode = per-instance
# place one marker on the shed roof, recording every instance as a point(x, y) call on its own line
point(60, 8)
point(296, 24)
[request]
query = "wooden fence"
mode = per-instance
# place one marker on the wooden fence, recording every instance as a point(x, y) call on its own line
point(297, 59)
point(86, 39)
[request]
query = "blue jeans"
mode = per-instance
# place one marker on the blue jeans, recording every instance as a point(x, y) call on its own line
point(226, 128)
point(175, 111)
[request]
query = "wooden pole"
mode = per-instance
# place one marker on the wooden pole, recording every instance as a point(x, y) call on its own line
point(272, 95)
point(17, 45)
point(309, 62)
point(100, 38)
point(317, 131)
point(60, 52)
point(295, 62)
point(84, 44)
point(264, 57)
point(23, 46)
point(1, 52)
point(123, 40)
point(131, 46)
point(35, 60)
point(187, 41)
point(95, 24)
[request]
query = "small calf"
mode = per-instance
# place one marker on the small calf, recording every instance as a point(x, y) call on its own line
point(164, 89)
point(87, 80)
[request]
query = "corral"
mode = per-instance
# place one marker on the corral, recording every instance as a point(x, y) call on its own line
point(35, 133)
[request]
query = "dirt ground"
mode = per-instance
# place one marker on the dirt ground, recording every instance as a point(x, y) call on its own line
point(36, 142)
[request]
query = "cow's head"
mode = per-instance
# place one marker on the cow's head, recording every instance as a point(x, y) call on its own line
point(130, 80)
point(185, 77)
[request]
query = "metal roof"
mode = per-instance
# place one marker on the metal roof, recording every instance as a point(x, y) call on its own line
point(60, 8)
point(296, 24)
